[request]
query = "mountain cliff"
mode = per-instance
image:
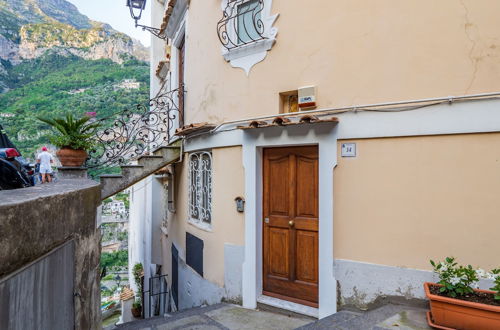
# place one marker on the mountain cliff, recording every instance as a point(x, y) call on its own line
point(29, 28)
point(54, 61)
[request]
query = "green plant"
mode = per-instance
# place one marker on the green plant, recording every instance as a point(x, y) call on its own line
point(455, 280)
point(138, 272)
point(108, 277)
point(76, 133)
point(495, 276)
point(459, 280)
point(137, 304)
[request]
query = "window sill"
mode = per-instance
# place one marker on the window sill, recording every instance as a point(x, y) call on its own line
point(200, 225)
point(246, 50)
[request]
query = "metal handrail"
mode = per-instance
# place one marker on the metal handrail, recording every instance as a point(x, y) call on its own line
point(137, 131)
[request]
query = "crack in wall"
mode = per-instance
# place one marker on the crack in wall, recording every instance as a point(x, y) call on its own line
point(475, 61)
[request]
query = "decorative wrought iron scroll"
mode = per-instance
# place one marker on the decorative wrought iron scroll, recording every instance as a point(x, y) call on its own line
point(135, 132)
point(241, 23)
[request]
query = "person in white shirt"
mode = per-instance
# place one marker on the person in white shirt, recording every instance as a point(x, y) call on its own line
point(45, 159)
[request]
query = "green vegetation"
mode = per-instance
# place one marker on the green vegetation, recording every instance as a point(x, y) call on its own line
point(11, 25)
point(122, 236)
point(55, 85)
point(59, 34)
point(64, 35)
point(108, 291)
point(138, 272)
point(109, 231)
point(112, 277)
point(112, 260)
point(121, 196)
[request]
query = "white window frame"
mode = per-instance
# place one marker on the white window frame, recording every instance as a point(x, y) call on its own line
point(200, 189)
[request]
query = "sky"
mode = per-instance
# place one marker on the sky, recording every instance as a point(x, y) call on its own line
point(116, 14)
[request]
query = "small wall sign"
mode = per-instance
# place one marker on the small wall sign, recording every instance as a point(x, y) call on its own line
point(348, 150)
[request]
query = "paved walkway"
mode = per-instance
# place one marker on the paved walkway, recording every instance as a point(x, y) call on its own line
point(233, 317)
point(382, 318)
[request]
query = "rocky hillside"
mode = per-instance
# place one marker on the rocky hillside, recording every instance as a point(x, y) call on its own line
point(29, 28)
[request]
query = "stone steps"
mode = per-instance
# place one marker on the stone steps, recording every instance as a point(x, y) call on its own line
point(146, 165)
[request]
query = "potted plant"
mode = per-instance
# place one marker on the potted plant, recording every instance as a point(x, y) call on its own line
point(138, 272)
point(457, 303)
point(74, 137)
point(137, 309)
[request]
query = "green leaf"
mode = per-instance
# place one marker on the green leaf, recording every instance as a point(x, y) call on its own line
point(433, 263)
point(442, 289)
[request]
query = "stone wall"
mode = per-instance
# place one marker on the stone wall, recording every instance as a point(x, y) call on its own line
point(35, 221)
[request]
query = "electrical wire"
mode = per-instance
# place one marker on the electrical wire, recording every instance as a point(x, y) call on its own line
point(380, 107)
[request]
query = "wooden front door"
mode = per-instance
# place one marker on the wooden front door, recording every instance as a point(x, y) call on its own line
point(290, 232)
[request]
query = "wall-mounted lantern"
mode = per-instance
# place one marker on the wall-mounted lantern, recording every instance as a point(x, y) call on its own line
point(240, 204)
point(136, 7)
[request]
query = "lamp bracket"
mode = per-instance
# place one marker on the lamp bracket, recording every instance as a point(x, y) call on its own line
point(154, 31)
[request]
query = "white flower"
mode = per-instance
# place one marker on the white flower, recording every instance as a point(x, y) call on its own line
point(490, 276)
point(444, 267)
point(480, 273)
point(454, 280)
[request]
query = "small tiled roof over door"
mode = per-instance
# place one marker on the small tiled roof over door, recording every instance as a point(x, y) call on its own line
point(288, 121)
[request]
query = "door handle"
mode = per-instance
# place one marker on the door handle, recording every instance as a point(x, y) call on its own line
point(291, 223)
point(266, 220)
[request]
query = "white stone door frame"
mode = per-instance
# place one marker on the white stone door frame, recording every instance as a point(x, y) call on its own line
point(254, 140)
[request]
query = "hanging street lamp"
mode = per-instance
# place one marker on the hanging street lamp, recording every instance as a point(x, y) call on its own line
point(136, 7)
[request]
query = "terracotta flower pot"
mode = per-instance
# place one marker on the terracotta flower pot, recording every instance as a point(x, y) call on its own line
point(136, 312)
point(450, 313)
point(71, 157)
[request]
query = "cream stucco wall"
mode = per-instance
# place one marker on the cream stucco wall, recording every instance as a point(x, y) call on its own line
point(403, 201)
point(355, 52)
point(227, 223)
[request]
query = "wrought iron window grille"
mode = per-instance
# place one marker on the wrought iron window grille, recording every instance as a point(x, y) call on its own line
point(200, 187)
point(134, 132)
point(241, 23)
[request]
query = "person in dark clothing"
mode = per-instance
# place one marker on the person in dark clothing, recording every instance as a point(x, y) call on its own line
point(4, 140)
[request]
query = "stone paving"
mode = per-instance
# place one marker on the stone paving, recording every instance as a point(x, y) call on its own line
point(229, 317)
point(382, 318)
point(220, 316)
